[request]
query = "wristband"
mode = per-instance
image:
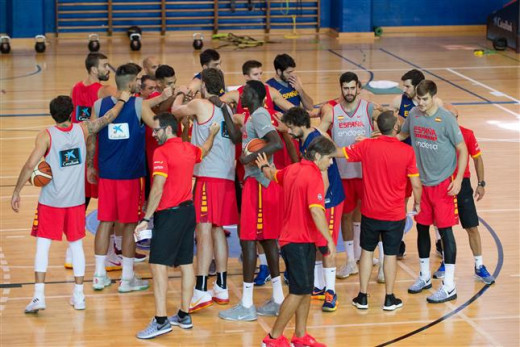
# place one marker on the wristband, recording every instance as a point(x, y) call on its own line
point(147, 220)
point(124, 102)
point(263, 167)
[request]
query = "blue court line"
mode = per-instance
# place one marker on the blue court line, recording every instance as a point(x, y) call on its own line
point(486, 103)
point(500, 251)
point(353, 63)
point(25, 115)
point(38, 70)
point(433, 74)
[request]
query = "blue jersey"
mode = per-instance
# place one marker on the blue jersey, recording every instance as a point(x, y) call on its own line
point(121, 143)
point(335, 194)
point(289, 93)
point(405, 108)
point(222, 91)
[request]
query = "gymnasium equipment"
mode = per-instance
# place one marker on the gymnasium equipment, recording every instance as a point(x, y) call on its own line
point(197, 41)
point(40, 46)
point(93, 43)
point(135, 42)
point(503, 27)
point(5, 44)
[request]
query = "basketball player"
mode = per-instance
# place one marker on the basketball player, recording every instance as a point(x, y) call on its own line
point(299, 123)
point(304, 221)
point(61, 205)
point(209, 59)
point(174, 220)
point(150, 65)
point(387, 165)
point(466, 204)
point(437, 141)
point(121, 177)
point(349, 119)
point(261, 214)
point(215, 200)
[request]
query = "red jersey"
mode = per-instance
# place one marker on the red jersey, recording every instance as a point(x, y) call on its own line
point(175, 160)
point(83, 99)
point(473, 148)
point(386, 163)
point(303, 188)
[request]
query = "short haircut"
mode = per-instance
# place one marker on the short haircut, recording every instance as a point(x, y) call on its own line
point(125, 74)
point(348, 77)
point(61, 108)
point(213, 79)
point(426, 87)
point(414, 75)
point(93, 59)
point(258, 88)
point(249, 65)
point(321, 145)
point(166, 119)
point(145, 78)
point(297, 116)
point(208, 56)
point(164, 71)
point(386, 122)
point(283, 61)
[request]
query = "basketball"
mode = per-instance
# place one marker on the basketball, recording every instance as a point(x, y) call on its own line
point(255, 145)
point(41, 175)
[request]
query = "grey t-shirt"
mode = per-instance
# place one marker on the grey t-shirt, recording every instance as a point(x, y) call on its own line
point(257, 126)
point(434, 139)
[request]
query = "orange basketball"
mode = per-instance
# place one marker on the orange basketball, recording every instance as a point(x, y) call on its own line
point(255, 145)
point(41, 175)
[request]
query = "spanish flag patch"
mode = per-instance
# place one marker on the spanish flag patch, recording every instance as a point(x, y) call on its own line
point(437, 119)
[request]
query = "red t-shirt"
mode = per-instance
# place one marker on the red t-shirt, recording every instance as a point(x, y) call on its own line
point(387, 164)
point(175, 161)
point(83, 99)
point(303, 188)
point(473, 148)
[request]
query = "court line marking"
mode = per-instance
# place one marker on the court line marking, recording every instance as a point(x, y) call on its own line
point(7, 278)
point(370, 73)
point(517, 115)
point(498, 140)
point(38, 70)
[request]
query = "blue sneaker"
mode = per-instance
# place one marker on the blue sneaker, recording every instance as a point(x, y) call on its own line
point(440, 272)
point(318, 294)
point(286, 277)
point(331, 302)
point(482, 274)
point(263, 276)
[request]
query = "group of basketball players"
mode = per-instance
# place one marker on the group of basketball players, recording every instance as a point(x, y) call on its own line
point(230, 189)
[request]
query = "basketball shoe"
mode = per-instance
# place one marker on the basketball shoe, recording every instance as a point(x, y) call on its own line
point(360, 301)
point(200, 300)
point(35, 305)
point(305, 341)
point(345, 271)
point(280, 341)
point(318, 294)
point(132, 285)
point(263, 276)
point(331, 301)
point(220, 295)
point(482, 274)
point(155, 329)
point(392, 303)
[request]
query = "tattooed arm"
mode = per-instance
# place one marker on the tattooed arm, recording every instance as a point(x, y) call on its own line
point(92, 127)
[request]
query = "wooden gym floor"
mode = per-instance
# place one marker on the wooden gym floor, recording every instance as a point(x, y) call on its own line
point(486, 91)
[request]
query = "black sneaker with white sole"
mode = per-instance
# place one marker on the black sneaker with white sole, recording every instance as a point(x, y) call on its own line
point(392, 303)
point(360, 301)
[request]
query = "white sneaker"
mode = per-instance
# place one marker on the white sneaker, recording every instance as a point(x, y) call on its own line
point(35, 305)
point(347, 270)
point(380, 275)
point(112, 261)
point(100, 282)
point(220, 295)
point(78, 301)
point(200, 300)
point(135, 284)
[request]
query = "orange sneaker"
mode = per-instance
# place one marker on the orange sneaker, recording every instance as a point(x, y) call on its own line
point(280, 341)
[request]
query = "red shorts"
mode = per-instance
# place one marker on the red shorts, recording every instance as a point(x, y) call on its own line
point(408, 191)
point(261, 215)
point(121, 200)
point(333, 215)
point(215, 201)
point(353, 188)
point(52, 222)
point(437, 207)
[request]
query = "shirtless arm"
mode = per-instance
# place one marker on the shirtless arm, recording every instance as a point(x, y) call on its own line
point(326, 118)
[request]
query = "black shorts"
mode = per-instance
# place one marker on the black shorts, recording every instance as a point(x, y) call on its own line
point(173, 236)
point(390, 232)
point(299, 259)
point(466, 205)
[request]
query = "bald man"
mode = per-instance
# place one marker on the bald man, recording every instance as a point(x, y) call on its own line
point(150, 64)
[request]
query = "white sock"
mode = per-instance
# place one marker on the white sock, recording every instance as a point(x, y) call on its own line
point(277, 290)
point(381, 253)
point(330, 278)
point(247, 294)
point(357, 239)
point(449, 276)
point(128, 268)
point(349, 247)
point(318, 274)
point(41, 258)
point(39, 289)
point(425, 268)
point(478, 261)
point(100, 265)
point(117, 241)
point(437, 234)
point(263, 259)
point(78, 258)
point(78, 288)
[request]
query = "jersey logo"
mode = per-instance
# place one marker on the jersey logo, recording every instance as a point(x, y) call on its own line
point(437, 119)
point(83, 113)
point(118, 131)
point(320, 197)
point(405, 105)
point(224, 130)
point(70, 157)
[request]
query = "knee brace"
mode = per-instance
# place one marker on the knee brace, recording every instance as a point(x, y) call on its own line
point(448, 244)
point(423, 240)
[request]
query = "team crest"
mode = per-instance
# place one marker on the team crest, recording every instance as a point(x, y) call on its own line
point(70, 157)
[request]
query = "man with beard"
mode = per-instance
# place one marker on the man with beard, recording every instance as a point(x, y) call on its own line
point(171, 205)
point(121, 176)
point(215, 200)
point(350, 118)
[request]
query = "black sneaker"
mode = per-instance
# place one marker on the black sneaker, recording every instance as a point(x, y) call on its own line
point(392, 303)
point(438, 248)
point(402, 250)
point(360, 301)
